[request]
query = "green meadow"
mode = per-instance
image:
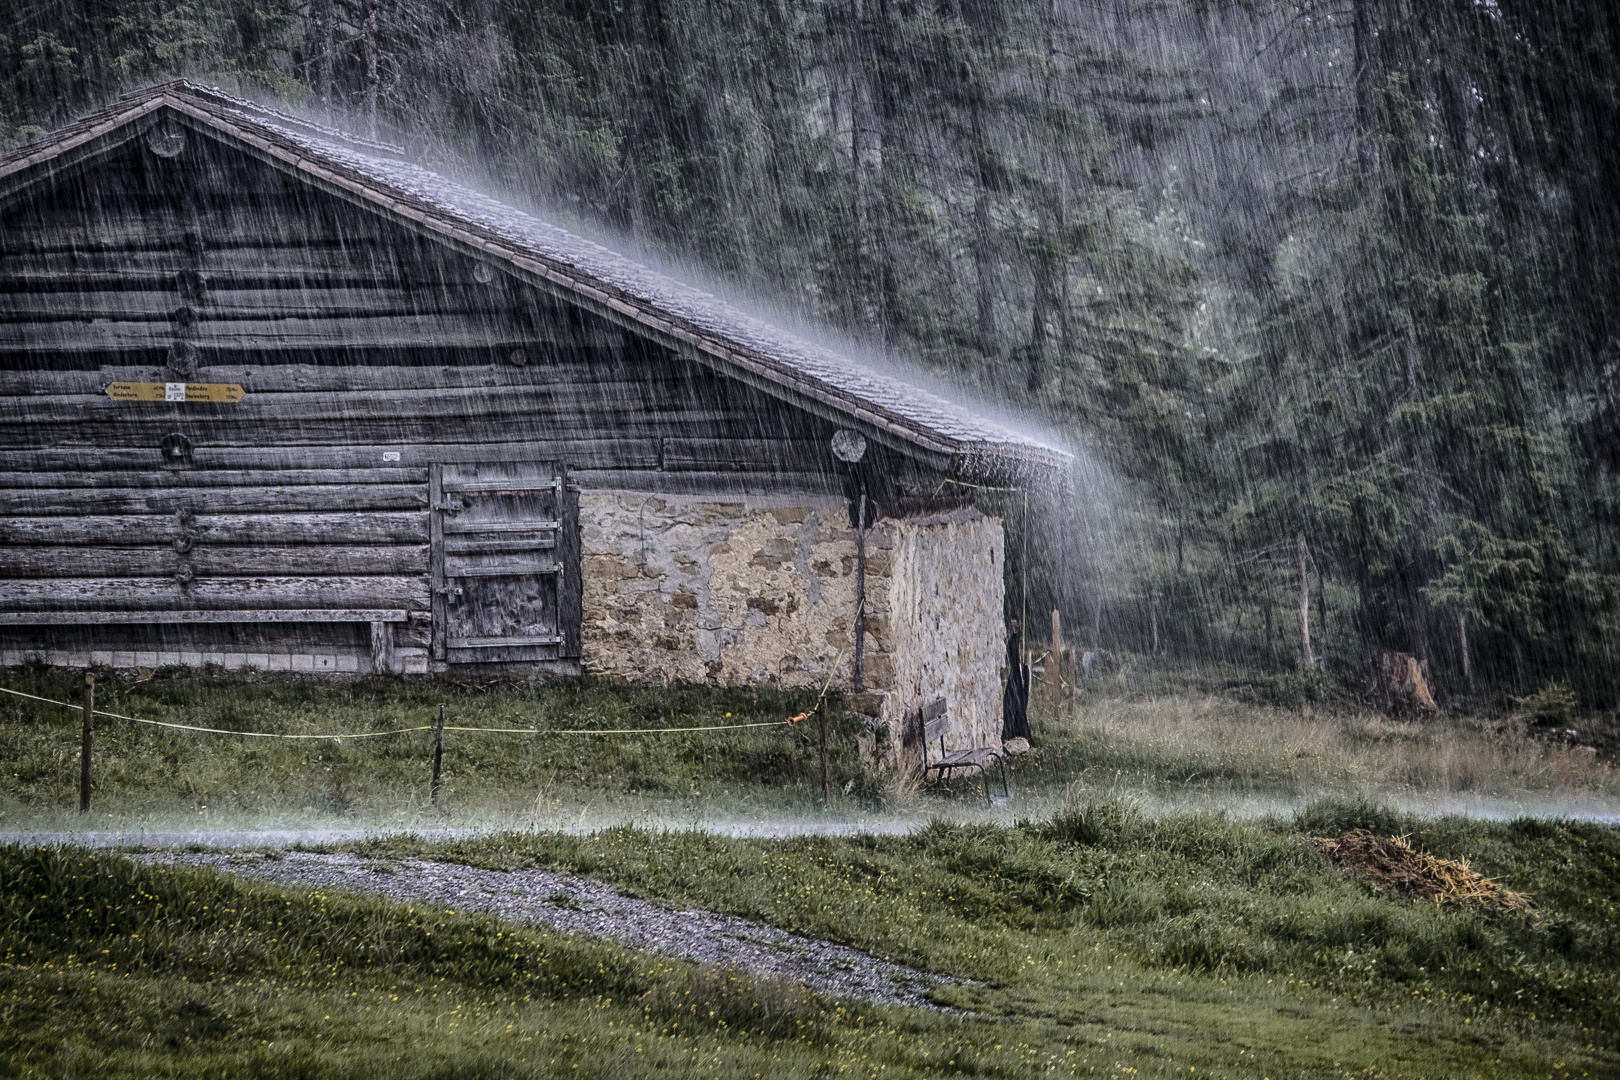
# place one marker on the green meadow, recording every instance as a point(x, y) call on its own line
point(1108, 921)
point(1168, 738)
point(1099, 942)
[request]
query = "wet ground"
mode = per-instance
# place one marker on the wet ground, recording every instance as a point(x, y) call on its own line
point(245, 831)
point(167, 833)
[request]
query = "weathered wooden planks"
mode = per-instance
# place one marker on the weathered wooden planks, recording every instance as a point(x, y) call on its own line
point(563, 400)
point(134, 225)
point(212, 616)
point(16, 502)
point(207, 425)
point(226, 300)
point(207, 529)
point(600, 453)
point(544, 367)
point(189, 478)
point(146, 594)
point(225, 331)
point(161, 560)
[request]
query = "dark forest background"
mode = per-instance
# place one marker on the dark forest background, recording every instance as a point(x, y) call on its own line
point(1325, 292)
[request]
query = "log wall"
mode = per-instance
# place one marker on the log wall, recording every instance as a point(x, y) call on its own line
point(366, 354)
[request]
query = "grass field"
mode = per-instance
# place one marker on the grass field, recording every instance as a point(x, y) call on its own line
point(1101, 939)
point(1168, 739)
point(1102, 942)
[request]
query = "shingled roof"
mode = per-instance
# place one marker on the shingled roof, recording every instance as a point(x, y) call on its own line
point(694, 322)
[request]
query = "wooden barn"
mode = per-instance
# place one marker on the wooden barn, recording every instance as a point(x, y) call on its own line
point(272, 396)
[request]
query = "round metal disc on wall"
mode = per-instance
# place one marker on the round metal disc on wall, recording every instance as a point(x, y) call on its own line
point(175, 448)
point(483, 273)
point(166, 141)
point(848, 445)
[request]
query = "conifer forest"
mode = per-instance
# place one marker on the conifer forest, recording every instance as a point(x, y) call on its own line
point(1324, 293)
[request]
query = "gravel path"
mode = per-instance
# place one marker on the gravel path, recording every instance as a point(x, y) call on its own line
point(578, 905)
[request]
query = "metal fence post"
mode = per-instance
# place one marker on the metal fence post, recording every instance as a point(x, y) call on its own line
point(87, 744)
point(826, 767)
point(438, 756)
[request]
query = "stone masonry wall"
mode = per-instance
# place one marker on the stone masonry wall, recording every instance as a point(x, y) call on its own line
point(716, 590)
point(945, 628)
point(732, 591)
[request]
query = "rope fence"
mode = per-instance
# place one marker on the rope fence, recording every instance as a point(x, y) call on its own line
point(403, 730)
point(90, 711)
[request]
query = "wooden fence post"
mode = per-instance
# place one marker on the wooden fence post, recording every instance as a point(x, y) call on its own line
point(1052, 681)
point(826, 765)
point(1074, 679)
point(87, 744)
point(438, 757)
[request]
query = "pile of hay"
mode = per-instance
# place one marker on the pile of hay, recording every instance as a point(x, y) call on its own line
point(1390, 862)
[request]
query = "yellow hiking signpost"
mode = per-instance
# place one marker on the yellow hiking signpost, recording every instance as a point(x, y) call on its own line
point(227, 393)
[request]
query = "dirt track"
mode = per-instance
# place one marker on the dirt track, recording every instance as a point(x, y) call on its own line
point(578, 905)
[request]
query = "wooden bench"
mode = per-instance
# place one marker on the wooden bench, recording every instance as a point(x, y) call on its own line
point(935, 725)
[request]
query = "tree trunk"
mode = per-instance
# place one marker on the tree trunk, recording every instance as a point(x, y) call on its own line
point(1462, 647)
point(1059, 254)
point(1153, 619)
point(983, 253)
point(1321, 615)
point(1417, 557)
point(318, 43)
point(885, 97)
point(1039, 314)
point(368, 55)
point(857, 155)
point(626, 191)
point(1366, 34)
point(1305, 653)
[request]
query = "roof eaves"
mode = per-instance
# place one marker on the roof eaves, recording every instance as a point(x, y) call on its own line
point(73, 139)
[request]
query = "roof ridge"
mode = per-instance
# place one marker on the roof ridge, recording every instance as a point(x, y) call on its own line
point(214, 95)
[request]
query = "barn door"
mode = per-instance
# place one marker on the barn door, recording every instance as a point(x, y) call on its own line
point(506, 581)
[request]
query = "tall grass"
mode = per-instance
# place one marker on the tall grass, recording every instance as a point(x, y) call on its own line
point(1211, 741)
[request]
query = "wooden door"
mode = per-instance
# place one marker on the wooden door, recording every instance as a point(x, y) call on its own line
point(506, 581)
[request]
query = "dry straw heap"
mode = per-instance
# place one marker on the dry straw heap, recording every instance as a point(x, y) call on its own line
point(1392, 863)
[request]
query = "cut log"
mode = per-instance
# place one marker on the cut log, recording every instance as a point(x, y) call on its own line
point(1399, 678)
point(209, 529)
point(205, 560)
point(40, 502)
point(211, 616)
point(210, 478)
point(228, 334)
point(144, 594)
point(608, 453)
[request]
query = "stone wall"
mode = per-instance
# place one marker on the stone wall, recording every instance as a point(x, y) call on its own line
point(722, 591)
point(762, 591)
point(943, 621)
